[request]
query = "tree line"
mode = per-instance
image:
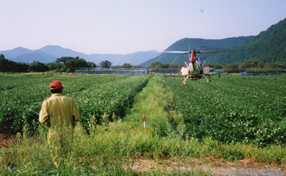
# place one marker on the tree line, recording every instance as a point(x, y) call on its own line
point(63, 64)
point(233, 66)
point(69, 64)
point(161, 65)
point(249, 64)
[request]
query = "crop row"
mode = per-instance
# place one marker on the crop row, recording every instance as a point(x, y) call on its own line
point(234, 109)
point(21, 97)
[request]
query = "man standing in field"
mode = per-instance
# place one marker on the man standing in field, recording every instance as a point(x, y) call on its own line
point(59, 113)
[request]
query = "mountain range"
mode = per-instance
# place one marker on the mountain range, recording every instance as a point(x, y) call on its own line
point(50, 53)
point(268, 46)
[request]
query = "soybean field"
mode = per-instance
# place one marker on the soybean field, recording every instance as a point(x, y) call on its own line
point(230, 109)
point(234, 109)
point(238, 119)
point(21, 97)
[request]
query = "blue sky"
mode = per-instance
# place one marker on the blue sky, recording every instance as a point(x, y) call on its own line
point(127, 26)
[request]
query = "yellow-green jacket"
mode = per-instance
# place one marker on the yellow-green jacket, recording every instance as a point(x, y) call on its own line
point(59, 113)
point(58, 110)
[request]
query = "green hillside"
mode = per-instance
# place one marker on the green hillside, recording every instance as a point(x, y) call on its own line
point(268, 46)
point(198, 44)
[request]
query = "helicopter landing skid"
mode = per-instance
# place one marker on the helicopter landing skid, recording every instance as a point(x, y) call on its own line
point(196, 77)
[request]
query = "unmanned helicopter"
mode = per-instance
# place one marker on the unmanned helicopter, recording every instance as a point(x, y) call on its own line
point(195, 69)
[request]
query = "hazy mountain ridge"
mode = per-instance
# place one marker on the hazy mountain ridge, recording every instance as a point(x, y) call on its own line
point(16, 52)
point(34, 55)
point(50, 53)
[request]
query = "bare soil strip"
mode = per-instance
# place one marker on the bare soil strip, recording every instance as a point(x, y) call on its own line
point(214, 166)
point(6, 139)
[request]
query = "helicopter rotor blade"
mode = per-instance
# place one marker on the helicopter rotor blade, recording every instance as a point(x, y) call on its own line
point(200, 52)
point(177, 52)
point(209, 52)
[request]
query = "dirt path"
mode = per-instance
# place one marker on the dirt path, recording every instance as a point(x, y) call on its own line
point(6, 139)
point(215, 166)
